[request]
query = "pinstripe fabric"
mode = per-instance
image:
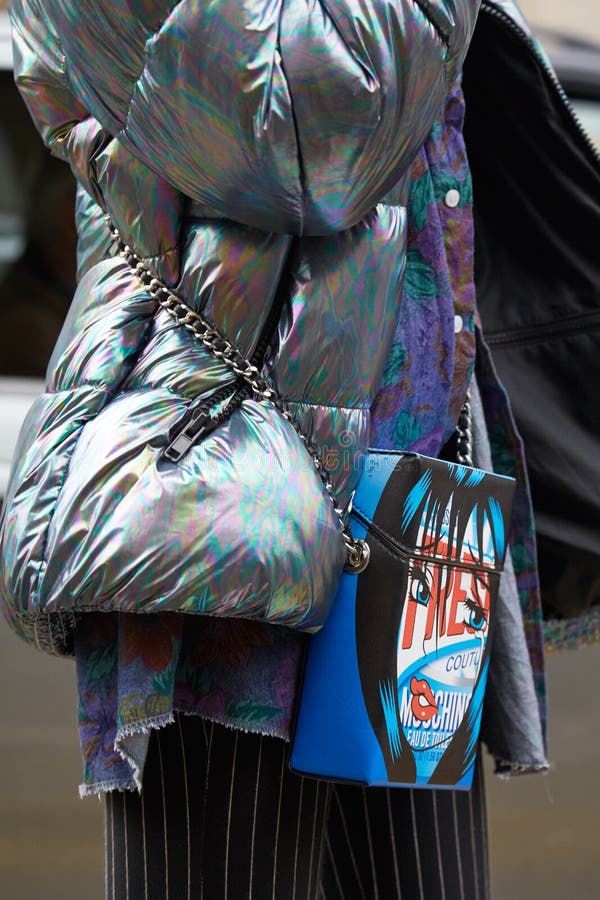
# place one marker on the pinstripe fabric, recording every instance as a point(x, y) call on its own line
point(110, 849)
point(145, 851)
point(164, 812)
point(126, 849)
point(254, 811)
point(426, 845)
point(277, 823)
point(394, 848)
point(220, 816)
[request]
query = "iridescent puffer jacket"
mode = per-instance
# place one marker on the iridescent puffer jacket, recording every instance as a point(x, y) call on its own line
point(254, 155)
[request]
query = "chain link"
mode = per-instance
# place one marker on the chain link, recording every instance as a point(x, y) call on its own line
point(210, 338)
point(464, 451)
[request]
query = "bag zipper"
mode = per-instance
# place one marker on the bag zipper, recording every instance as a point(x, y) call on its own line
point(506, 20)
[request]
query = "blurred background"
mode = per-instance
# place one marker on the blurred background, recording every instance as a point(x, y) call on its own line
point(543, 829)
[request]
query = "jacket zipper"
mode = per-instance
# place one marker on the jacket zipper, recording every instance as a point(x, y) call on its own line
point(569, 324)
point(549, 72)
point(198, 421)
point(534, 333)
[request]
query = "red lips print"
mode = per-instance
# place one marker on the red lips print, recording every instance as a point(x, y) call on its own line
point(423, 703)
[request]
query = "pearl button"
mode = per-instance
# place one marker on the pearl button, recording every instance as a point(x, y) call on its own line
point(458, 324)
point(452, 198)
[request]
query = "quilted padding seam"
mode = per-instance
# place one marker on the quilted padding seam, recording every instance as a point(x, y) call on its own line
point(158, 256)
point(148, 259)
point(95, 385)
point(174, 326)
point(102, 386)
point(189, 398)
point(110, 255)
point(326, 405)
point(73, 607)
point(176, 248)
point(147, 388)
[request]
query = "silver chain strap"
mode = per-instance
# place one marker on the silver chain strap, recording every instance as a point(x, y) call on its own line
point(222, 349)
point(464, 453)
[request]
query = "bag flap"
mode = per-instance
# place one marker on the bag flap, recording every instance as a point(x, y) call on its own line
point(432, 509)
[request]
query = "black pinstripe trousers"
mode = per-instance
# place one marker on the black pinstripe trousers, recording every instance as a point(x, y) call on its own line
point(220, 816)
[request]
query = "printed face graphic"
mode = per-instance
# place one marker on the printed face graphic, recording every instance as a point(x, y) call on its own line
point(423, 679)
point(443, 601)
point(443, 628)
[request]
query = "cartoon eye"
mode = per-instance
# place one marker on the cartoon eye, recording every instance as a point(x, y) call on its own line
point(420, 591)
point(476, 614)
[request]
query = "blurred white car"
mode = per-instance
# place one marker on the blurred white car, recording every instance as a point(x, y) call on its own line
point(16, 396)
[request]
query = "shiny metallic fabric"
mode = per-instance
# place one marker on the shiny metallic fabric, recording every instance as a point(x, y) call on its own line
point(290, 116)
point(244, 151)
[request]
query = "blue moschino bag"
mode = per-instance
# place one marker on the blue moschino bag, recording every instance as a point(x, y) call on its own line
point(394, 682)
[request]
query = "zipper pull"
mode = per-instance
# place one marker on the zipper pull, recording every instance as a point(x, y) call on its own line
point(198, 425)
